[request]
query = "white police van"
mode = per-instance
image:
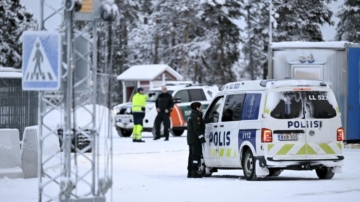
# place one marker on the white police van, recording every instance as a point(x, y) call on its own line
point(265, 127)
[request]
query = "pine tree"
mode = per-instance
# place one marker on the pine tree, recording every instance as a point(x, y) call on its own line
point(142, 35)
point(14, 20)
point(122, 45)
point(257, 39)
point(224, 51)
point(348, 28)
point(299, 20)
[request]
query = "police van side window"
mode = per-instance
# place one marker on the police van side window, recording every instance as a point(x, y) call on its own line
point(183, 95)
point(213, 114)
point(233, 107)
point(251, 106)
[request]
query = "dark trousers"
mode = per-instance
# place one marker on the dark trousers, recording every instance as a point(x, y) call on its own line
point(194, 160)
point(165, 118)
point(138, 117)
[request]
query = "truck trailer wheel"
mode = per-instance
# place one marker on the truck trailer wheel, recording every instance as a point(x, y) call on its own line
point(325, 173)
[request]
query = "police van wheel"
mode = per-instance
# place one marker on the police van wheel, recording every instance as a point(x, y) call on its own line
point(325, 173)
point(274, 172)
point(248, 165)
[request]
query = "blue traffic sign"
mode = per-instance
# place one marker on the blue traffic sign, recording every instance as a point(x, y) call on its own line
point(41, 65)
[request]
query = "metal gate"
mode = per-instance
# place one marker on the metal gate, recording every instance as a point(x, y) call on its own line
point(18, 108)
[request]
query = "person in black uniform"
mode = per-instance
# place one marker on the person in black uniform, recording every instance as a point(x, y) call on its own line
point(164, 104)
point(195, 139)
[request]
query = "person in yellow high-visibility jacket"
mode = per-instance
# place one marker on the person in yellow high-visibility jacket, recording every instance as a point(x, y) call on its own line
point(138, 111)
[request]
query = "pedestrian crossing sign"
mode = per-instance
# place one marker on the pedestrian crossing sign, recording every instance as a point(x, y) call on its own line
point(41, 65)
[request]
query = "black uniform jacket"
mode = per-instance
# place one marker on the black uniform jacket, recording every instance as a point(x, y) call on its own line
point(164, 101)
point(195, 127)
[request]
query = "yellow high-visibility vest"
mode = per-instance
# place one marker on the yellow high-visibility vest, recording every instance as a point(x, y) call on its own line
point(138, 101)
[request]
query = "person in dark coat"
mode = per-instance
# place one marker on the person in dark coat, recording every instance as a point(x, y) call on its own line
point(164, 104)
point(195, 139)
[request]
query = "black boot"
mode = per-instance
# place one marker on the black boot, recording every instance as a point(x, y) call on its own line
point(135, 140)
point(166, 139)
point(194, 174)
point(140, 140)
point(157, 137)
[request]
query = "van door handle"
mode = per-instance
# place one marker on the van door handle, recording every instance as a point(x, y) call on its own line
point(221, 125)
point(215, 126)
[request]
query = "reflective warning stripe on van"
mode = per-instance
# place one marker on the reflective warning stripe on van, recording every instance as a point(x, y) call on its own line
point(304, 149)
point(223, 153)
point(266, 110)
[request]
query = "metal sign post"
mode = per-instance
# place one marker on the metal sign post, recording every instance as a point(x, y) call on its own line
point(62, 66)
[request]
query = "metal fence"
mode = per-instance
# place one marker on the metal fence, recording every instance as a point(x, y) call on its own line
point(18, 108)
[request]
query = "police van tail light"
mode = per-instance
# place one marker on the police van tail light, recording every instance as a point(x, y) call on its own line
point(340, 134)
point(266, 135)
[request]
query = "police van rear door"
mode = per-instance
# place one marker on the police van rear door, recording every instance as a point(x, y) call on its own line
point(322, 124)
point(282, 133)
point(304, 122)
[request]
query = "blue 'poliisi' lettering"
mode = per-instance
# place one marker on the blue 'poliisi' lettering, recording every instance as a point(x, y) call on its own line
point(304, 124)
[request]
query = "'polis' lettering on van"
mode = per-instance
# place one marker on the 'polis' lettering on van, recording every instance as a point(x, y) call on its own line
point(305, 124)
point(219, 138)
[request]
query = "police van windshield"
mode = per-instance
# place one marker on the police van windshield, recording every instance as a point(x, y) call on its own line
point(301, 105)
point(154, 94)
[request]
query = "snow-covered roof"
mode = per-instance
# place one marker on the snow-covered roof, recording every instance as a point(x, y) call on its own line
point(9, 72)
point(305, 44)
point(147, 72)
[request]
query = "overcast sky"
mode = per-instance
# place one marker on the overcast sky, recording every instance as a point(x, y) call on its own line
point(54, 22)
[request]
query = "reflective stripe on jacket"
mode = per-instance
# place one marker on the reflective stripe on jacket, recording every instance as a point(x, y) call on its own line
point(138, 101)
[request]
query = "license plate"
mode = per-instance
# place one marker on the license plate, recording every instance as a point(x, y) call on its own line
point(123, 119)
point(288, 137)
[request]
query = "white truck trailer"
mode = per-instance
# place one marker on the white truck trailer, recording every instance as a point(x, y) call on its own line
point(334, 62)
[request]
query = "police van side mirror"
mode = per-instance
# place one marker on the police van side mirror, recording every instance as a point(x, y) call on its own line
point(177, 100)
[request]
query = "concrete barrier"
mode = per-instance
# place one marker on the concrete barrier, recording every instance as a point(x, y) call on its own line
point(30, 152)
point(10, 161)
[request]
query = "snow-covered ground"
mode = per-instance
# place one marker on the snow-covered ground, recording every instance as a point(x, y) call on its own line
point(156, 171)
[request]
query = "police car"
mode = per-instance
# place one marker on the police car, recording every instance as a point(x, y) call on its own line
point(183, 96)
point(265, 127)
